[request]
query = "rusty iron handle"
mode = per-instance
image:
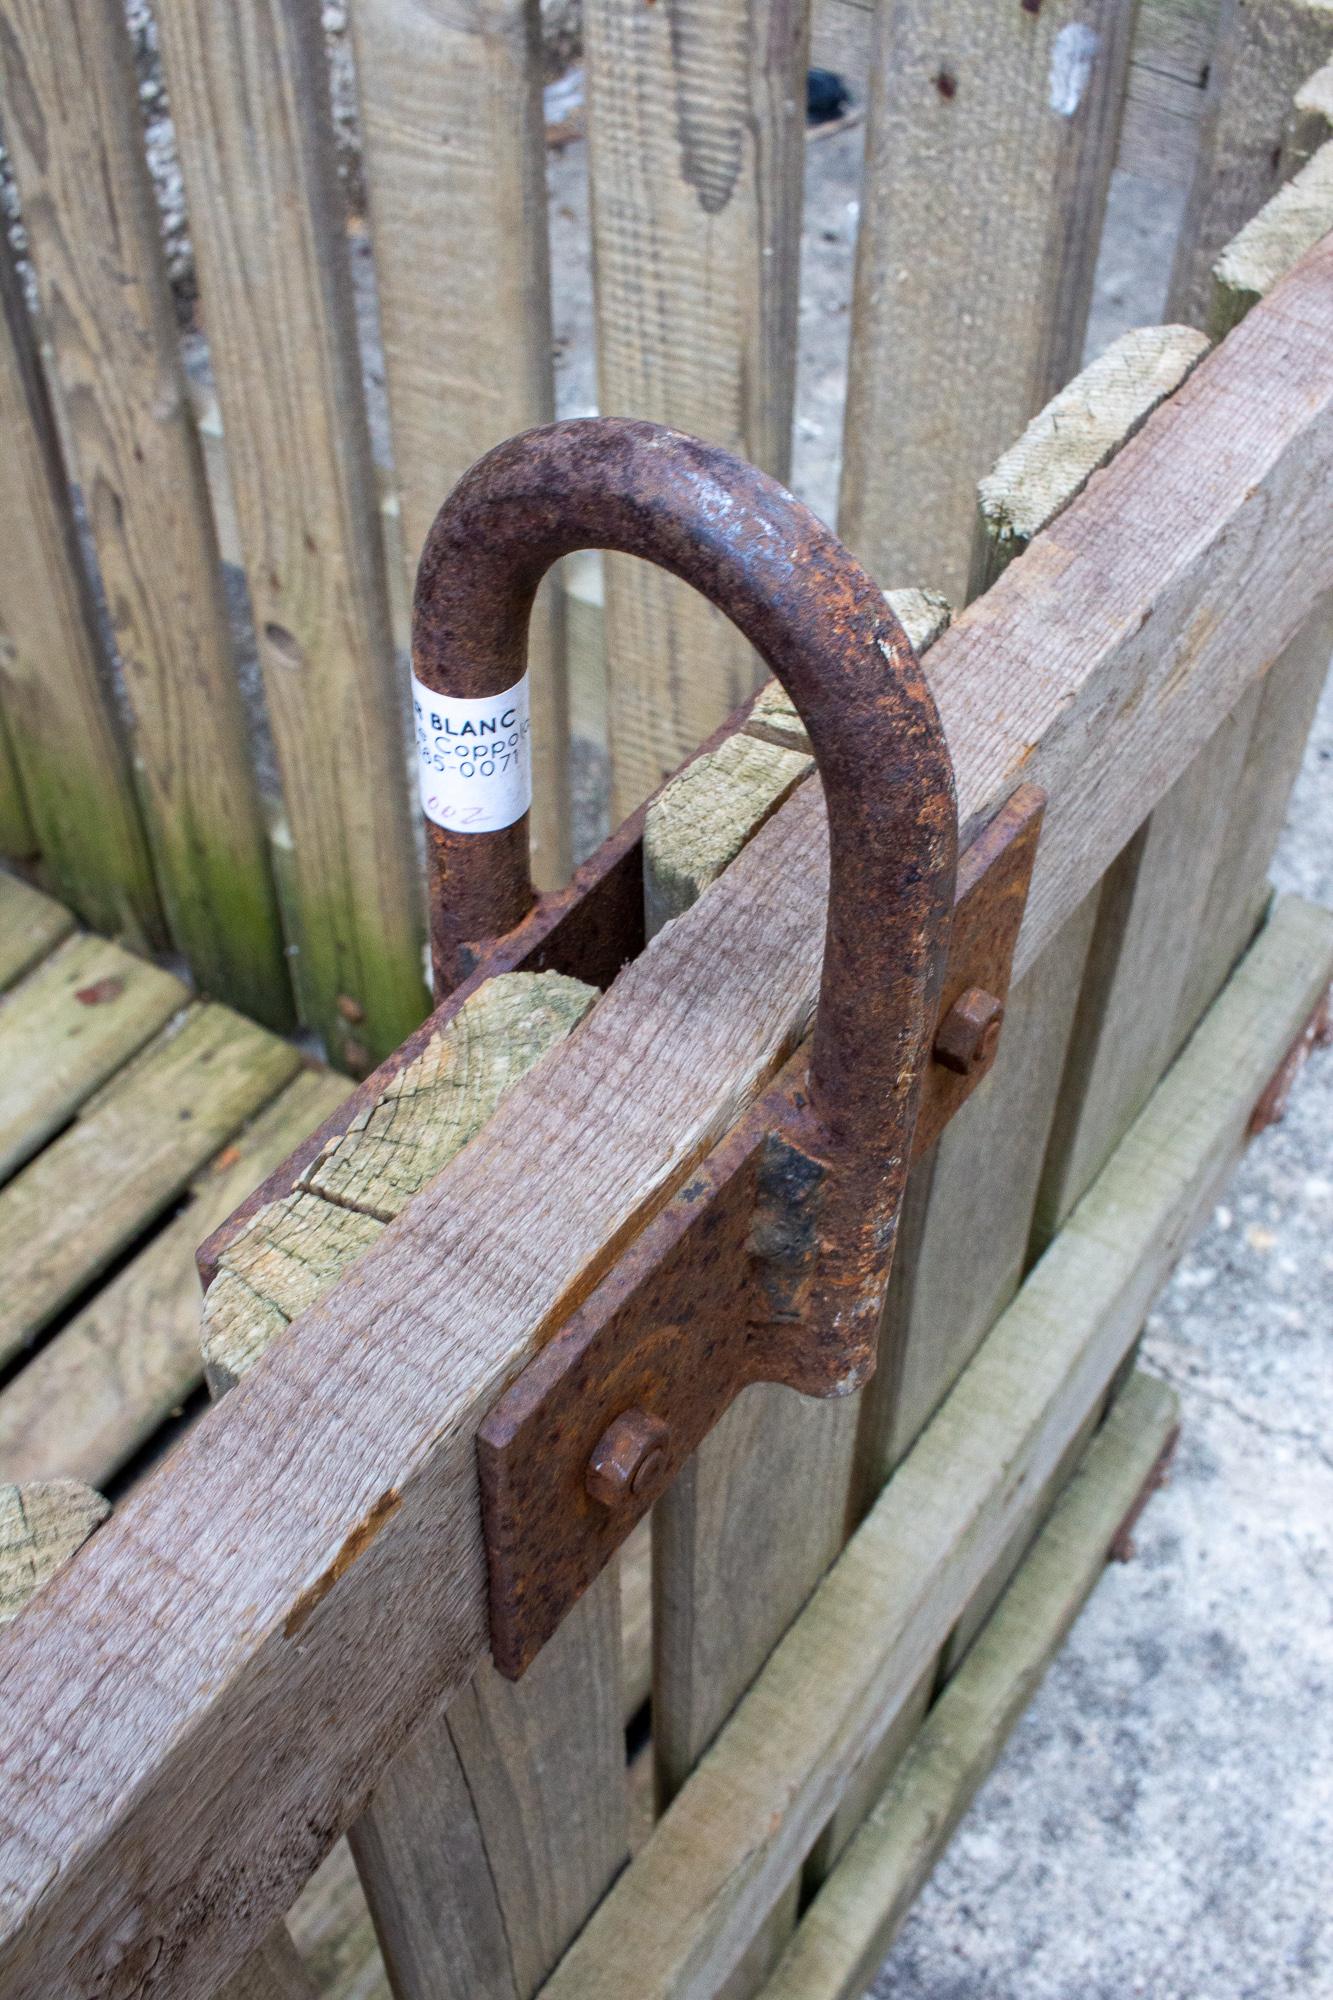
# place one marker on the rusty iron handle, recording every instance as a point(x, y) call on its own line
point(821, 625)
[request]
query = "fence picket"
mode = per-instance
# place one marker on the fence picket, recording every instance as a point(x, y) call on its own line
point(67, 749)
point(696, 146)
point(988, 157)
point(455, 175)
point(1266, 49)
point(249, 98)
point(73, 123)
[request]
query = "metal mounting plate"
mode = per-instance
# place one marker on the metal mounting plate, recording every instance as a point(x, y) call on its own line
point(682, 1322)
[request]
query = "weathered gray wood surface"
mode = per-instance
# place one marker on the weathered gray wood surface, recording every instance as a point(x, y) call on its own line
point(1096, 667)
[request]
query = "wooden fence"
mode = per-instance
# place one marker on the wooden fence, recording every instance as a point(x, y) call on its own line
point(282, 1637)
point(297, 898)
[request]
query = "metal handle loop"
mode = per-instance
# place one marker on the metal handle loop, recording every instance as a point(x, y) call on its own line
point(821, 625)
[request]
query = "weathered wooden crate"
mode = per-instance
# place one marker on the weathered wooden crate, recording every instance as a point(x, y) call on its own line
point(736, 1761)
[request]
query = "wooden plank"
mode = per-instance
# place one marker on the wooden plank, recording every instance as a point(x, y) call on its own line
point(132, 1149)
point(31, 926)
point(331, 1928)
point(74, 125)
point(41, 1525)
point(1077, 432)
point(18, 842)
point(1309, 122)
point(500, 1825)
point(1149, 921)
point(275, 1972)
point(696, 152)
point(1275, 239)
point(249, 101)
point(100, 1387)
point(1096, 667)
point(1165, 89)
point(455, 156)
point(848, 1930)
point(963, 106)
point(67, 1027)
point(1166, 98)
point(1266, 51)
point(71, 761)
point(1238, 891)
point(682, 1913)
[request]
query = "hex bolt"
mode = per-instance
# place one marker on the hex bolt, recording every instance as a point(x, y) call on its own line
point(627, 1457)
point(967, 1036)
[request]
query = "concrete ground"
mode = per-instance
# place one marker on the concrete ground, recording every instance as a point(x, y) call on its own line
point(1162, 1820)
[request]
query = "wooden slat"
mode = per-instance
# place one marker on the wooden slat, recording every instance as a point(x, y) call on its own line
point(67, 1027)
point(1148, 925)
point(1309, 122)
point(18, 842)
point(848, 1930)
point(682, 1913)
point(133, 1149)
point(1265, 52)
point(1131, 593)
point(73, 122)
point(1078, 431)
point(276, 1972)
point(989, 151)
point(456, 177)
point(31, 926)
point(1165, 90)
point(1275, 239)
point(1166, 99)
point(66, 744)
point(696, 153)
point(499, 1826)
point(100, 1387)
point(249, 102)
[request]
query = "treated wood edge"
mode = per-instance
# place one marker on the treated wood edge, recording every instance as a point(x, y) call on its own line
point(682, 1914)
point(1077, 432)
point(1236, 462)
point(42, 1523)
point(1275, 239)
point(848, 1929)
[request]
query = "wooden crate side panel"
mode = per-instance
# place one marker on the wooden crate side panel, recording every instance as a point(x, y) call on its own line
point(681, 1915)
point(249, 97)
point(696, 137)
point(71, 764)
point(73, 122)
point(1236, 463)
point(455, 176)
point(992, 132)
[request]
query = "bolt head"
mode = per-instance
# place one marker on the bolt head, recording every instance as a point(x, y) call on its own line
point(969, 1034)
point(628, 1458)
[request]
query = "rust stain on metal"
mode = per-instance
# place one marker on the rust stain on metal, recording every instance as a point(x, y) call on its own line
point(356, 1544)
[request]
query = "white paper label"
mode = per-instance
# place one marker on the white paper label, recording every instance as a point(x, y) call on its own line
point(474, 757)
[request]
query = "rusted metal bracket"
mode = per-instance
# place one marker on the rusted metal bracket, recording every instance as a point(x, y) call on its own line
point(772, 1261)
point(715, 1294)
